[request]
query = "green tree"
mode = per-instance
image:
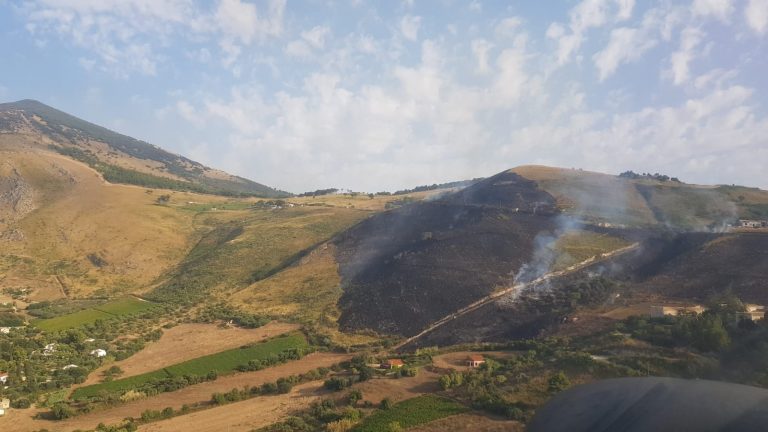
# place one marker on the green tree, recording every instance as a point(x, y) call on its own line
point(558, 382)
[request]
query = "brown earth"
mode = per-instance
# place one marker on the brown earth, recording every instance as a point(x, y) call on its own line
point(375, 390)
point(22, 421)
point(473, 422)
point(188, 341)
point(243, 416)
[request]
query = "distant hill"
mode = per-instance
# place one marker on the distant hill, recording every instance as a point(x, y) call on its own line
point(120, 158)
point(420, 262)
point(647, 201)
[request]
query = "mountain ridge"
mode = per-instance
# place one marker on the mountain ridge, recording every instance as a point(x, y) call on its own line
point(121, 158)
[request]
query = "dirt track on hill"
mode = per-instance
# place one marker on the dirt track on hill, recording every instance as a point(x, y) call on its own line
point(516, 289)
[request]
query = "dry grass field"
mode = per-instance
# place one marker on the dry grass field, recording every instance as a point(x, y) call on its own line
point(188, 341)
point(246, 415)
point(471, 422)
point(74, 238)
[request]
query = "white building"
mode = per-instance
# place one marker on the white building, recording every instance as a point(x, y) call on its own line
point(2, 412)
point(4, 377)
point(5, 403)
point(69, 366)
point(99, 353)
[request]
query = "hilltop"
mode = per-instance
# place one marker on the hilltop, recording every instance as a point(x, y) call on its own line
point(120, 158)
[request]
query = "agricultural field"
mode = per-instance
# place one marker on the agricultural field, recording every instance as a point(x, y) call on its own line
point(188, 341)
point(114, 309)
point(223, 363)
point(410, 413)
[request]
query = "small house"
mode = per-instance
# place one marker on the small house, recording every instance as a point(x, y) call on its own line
point(5, 330)
point(475, 360)
point(4, 377)
point(69, 366)
point(99, 353)
point(754, 224)
point(49, 349)
point(753, 312)
point(2, 412)
point(660, 311)
point(5, 403)
point(392, 364)
point(89, 340)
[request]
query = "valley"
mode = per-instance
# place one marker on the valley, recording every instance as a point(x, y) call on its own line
point(140, 290)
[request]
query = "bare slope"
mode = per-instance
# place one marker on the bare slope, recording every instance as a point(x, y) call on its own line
point(120, 158)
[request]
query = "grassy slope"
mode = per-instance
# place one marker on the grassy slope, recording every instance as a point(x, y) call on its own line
point(123, 159)
point(608, 198)
point(78, 215)
point(109, 310)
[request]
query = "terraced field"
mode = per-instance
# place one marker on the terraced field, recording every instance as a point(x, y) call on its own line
point(410, 413)
point(114, 309)
point(223, 363)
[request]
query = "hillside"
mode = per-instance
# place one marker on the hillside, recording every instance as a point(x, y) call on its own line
point(604, 198)
point(120, 158)
point(410, 266)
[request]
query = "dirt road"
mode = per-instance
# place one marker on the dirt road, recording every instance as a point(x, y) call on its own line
point(517, 288)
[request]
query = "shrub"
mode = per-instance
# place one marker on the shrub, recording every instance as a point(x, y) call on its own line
point(558, 382)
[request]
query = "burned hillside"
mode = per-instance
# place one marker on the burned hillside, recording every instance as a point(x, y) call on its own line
point(407, 267)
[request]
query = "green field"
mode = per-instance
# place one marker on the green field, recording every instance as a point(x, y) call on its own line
point(113, 309)
point(410, 413)
point(223, 363)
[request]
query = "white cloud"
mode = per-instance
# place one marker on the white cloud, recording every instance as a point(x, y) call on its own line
point(625, 45)
point(126, 36)
point(316, 36)
point(756, 14)
point(625, 9)
point(480, 48)
point(720, 9)
point(298, 49)
point(409, 27)
point(690, 39)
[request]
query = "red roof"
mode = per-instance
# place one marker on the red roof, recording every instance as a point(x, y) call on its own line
point(476, 358)
point(394, 362)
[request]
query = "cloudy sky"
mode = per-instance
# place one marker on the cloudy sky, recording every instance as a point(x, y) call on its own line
point(382, 95)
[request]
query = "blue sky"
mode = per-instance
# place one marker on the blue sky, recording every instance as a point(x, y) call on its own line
point(383, 95)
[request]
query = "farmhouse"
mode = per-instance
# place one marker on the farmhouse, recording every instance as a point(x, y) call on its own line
point(475, 360)
point(753, 312)
point(99, 352)
point(4, 377)
point(49, 349)
point(660, 311)
point(392, 364)
point(750, 223)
